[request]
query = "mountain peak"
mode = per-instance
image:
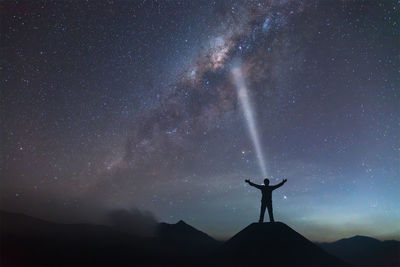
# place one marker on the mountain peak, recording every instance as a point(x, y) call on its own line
point(182, 233)
point(363, 250)
point(362, 237)
point(359, 239)
point(278, 243)
point(181, 222)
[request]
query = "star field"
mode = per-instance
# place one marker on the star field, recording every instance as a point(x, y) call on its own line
point(112, 105)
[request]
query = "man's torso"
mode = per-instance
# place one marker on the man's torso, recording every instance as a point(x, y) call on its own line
point(266, 193)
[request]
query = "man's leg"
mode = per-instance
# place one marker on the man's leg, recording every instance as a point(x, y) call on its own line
point(270, 212)
point(262, 211)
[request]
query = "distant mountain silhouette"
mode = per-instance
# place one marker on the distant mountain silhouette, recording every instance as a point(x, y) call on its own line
point(365, 251)
point(274, 244)
point(25, 240)
point(183, 235)
point(192, 245)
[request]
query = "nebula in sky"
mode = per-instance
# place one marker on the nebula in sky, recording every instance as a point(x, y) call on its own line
point(132, 105)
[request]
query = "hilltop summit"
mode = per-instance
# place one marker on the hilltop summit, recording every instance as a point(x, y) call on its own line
point(274, 244)
point(183, 235)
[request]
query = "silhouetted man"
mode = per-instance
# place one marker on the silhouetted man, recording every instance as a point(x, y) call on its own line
point(266, 200)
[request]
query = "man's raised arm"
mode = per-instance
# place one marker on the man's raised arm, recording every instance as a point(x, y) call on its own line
point(279, 185)
point(253, 184)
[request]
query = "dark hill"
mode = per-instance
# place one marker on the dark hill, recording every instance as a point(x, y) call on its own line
point(183, 235)
point(365, 251)
point(25, 240)
point(182, 244)
point(274, 244)
point(28, 241)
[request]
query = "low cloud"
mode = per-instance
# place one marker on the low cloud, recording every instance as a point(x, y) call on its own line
point(133, 221)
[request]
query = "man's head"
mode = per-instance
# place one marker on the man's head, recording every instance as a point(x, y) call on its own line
point(266, 181)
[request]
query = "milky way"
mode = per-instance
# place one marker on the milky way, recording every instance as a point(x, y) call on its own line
point(110, 105)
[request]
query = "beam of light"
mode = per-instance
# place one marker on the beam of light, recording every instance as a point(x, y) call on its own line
point(247, 109)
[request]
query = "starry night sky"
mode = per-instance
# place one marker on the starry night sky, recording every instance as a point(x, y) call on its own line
point(109, 105)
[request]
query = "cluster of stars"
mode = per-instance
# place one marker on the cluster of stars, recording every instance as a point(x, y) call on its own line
point(140, 110)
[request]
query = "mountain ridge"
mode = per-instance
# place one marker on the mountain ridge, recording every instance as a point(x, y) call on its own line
point(47, 243)
point(364, 250)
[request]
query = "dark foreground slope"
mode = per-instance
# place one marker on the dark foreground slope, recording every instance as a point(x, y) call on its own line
point(273, 244)
point(365, 251)
point(29, 241)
